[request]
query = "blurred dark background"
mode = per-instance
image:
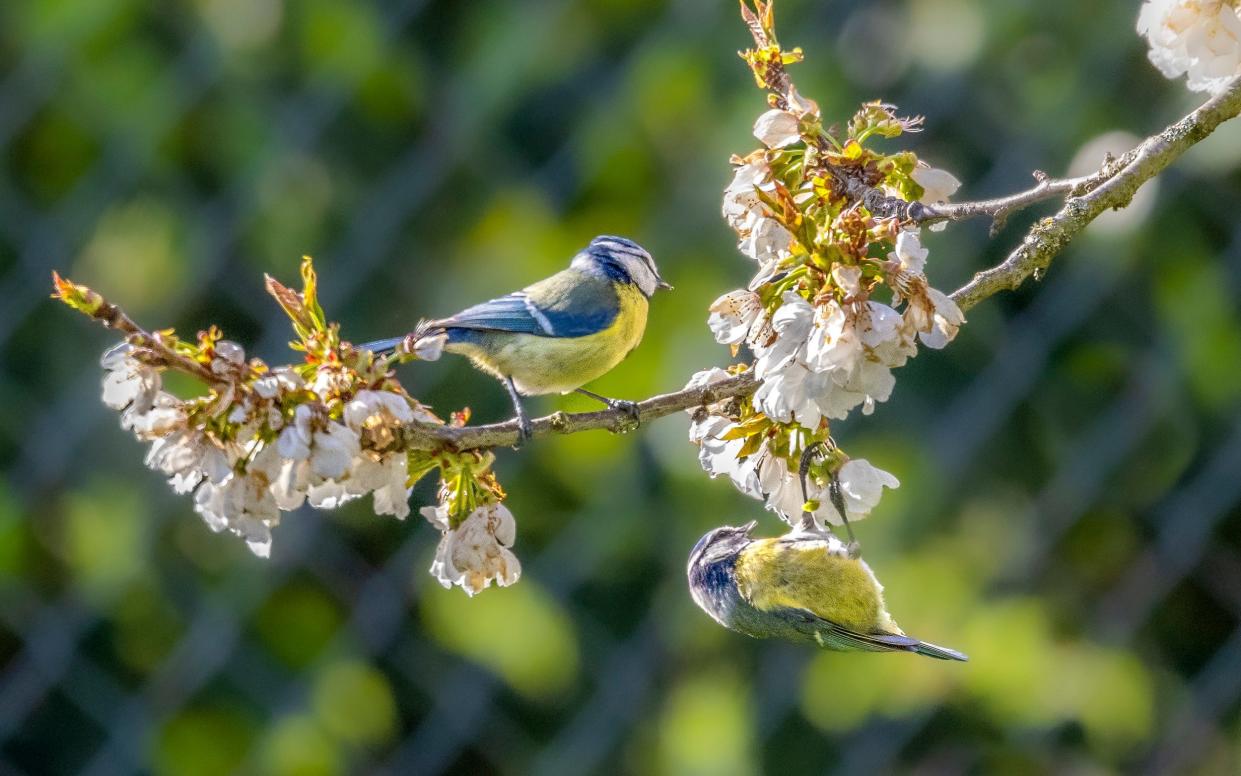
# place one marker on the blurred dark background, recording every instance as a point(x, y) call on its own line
point(1071, 467)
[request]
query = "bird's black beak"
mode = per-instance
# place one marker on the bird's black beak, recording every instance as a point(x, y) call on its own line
point(748, 528)
point(665, 285)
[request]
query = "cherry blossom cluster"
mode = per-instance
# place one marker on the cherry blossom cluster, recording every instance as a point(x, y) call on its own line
point(1200, 39)
point(761, 457)
point(477, 551)
point(260, 440)
point(839, 298)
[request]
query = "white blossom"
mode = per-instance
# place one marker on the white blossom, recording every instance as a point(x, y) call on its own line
point(188, 456)
point(833, 342)
point(384, 477)
point(291, 483)
point(934, 316)
point(230, 351)
point(328, 446)
point(717, 455)
point(790, 394)
point(705, 377)
point(777, 128)
point(833, 397)
point(765, 240)
point(720, 456)
point(876, 323)
point(781, 487)
point(392, 496)
point(229, 357)
point(870, 382)
point(330, 493)
point(862, 486)
point(766, 272)
point(165, 415)
point(947, 320)
point(477, 552)
point(791, 324)
point(909, 253)
point(825, 361)
point(1201, 38)
point(129, 384)
point(318, 455)
point(243, 505)
point(331, 380)
point(333, 451)
point(277, 382)
point(294, 440)
point(322, 462)
point(937, 185)
point(383, 407)
point(741, 204)
point(733, 315)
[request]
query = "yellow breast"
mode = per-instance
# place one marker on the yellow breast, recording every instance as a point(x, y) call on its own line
point(772, 573)
point(541, 365)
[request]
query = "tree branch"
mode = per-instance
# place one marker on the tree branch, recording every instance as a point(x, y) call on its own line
point(1049, 236)
point(427, 436)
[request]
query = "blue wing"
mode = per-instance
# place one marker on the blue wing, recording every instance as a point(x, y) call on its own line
point(568, 304)
point(512, 313)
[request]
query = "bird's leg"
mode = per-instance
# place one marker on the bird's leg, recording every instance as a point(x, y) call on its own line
point(630, 408)
point(524, 430)
point(807, 523)
point(833, 491)
point(838, 501)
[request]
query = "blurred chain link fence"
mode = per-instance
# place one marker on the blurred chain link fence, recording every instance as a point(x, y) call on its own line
point(1071, 466)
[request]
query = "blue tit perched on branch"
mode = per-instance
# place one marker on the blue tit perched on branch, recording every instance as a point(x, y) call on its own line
point(558, 334)
point(804, 587)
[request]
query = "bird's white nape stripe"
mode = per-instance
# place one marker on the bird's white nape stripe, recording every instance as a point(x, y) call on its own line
point(537, 314)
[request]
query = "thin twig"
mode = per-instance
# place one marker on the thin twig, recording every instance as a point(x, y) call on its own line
point(113, 317)
point(1001, 208)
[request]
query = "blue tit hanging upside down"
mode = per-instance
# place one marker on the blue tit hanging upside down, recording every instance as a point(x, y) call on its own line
point(558, 334)
point(803, 587)
point(806, 586)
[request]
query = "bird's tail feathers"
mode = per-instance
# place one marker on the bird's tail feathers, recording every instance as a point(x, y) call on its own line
point(940, 653)
point(909, 644)
point(426, 342)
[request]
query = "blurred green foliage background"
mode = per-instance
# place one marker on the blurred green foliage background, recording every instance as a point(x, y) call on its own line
point(1068, 513)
